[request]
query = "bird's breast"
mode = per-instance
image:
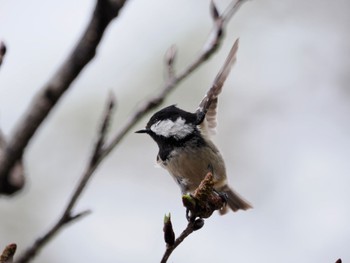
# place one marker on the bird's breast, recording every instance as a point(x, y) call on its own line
point(190, 164)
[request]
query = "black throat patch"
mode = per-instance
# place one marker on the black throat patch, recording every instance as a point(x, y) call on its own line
point(168, 145)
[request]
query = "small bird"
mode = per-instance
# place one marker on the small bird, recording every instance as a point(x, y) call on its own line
point(185, 148)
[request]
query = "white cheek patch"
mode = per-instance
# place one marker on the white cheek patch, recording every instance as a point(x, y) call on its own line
point(168, 128)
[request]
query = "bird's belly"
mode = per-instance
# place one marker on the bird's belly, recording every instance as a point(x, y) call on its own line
point(189, 166)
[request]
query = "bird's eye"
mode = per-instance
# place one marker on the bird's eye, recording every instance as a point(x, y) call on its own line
point(156, 123)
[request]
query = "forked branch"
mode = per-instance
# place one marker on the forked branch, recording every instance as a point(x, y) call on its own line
point(68, 216)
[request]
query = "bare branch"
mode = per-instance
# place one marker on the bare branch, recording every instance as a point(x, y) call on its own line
point(15, 178)
point(67, 216)
point(214, 40)
point(188, 230)
point(231, 10)
point(105, 11)
point(96, 156)
point(2, 55)
point(170, 57)
point(103, 130)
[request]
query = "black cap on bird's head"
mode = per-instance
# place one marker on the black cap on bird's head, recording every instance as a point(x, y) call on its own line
point(171, 122)
point(171, 113)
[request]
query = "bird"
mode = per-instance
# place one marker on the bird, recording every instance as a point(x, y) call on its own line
point(186, 150)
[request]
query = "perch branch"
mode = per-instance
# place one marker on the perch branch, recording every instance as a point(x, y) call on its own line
point(201, 204)
point(67, 215)
point(188, 230)
point(105, 11)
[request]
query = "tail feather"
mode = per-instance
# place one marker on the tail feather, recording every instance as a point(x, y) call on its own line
point(234, 201)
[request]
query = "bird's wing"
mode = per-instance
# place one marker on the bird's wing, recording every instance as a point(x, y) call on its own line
point(208, 106)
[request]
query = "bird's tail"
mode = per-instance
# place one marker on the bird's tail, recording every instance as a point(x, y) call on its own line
point(234, 200)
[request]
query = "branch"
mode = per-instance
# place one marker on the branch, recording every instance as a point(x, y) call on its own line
point(188, 230)
point(2, 55)
point(105, 11)
point(15, 178)
point(67, 215)
point(204, 201)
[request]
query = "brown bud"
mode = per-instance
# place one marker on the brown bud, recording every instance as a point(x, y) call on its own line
point(189, 202)
point(7, 254)
point(169, 235)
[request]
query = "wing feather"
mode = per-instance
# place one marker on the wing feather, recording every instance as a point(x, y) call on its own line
point(208, 106)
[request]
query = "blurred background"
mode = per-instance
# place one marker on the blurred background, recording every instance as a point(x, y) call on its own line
point(284, 130)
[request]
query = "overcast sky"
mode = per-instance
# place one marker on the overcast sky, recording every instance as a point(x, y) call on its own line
point(284, 130)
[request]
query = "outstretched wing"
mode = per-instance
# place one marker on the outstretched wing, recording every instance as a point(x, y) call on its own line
point(208, 106)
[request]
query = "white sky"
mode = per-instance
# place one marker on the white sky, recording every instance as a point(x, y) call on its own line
point(284, 130)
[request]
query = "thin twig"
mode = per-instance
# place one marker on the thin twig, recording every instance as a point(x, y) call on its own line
point(188, 230)
point(2, 55)
point(67, 215)
point(105, 11)
point(231, 10)
point(15, 178)
point(170, 56)
point(96, 157)
point(201, 204)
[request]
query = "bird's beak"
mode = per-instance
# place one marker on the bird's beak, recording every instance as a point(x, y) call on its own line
point(142, 131)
